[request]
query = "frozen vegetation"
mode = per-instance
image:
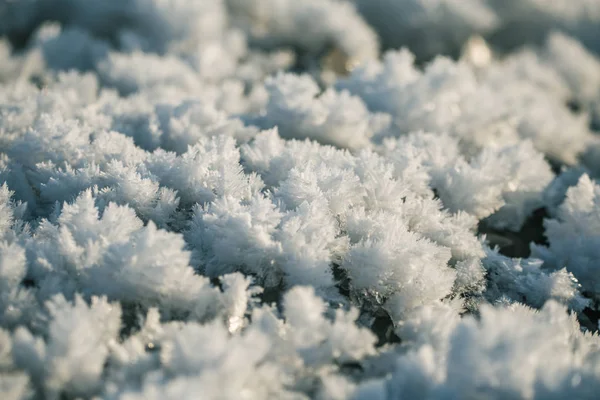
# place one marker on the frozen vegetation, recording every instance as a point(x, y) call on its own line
point(294, 199)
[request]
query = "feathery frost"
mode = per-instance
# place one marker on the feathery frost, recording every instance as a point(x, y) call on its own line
point(279, 199)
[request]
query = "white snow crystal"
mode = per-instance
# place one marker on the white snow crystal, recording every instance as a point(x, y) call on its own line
point(294, 199)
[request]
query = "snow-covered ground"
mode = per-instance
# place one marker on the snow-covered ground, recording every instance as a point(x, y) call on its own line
point(292, 199)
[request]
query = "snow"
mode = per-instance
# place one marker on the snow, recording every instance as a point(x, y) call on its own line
point(279, 199)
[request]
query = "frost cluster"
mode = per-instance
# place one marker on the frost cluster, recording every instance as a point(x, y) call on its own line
point(279, 199)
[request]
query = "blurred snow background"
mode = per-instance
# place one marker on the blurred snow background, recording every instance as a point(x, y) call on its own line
point(291, 199)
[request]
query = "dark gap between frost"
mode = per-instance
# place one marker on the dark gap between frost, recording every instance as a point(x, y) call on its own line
point(516, 244)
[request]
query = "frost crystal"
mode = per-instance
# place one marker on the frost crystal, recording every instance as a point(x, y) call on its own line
point(298, 199)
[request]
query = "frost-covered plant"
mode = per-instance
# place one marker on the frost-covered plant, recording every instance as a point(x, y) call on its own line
point(339, 119)
point(207, 170)
point(448, 23)
point(525, 281)
point(109, 254)
point(72, 359)
point(313, 26)
point(579, 18)
point(573, 235)
point(478, 109)
point(394, 265)
point(495, 357)
point(476, 185)
point(230, 199)
point(443, 26)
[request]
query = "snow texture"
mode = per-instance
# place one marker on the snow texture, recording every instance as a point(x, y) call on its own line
point(283, 199)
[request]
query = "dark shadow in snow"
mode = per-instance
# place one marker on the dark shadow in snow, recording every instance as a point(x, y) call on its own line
point(516, 244)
